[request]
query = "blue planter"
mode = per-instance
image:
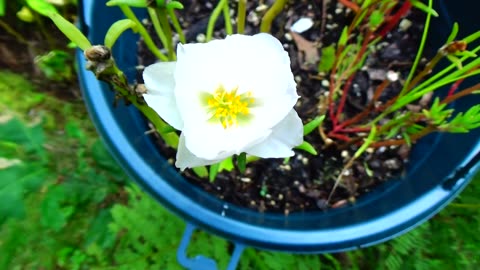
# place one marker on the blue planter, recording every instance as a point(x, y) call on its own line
point(441, 165)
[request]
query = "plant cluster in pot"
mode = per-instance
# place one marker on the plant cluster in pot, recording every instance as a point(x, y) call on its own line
point(307, 123)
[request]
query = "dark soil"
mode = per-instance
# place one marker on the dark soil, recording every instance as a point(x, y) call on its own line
point(306, 181)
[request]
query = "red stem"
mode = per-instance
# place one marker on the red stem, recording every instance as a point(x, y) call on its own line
point(454, 87)
point(350, 5)
point(354, 130)
point(347, 85)
point(343, 100)
point(393, 21)
point(339, 136)
point(460, 94)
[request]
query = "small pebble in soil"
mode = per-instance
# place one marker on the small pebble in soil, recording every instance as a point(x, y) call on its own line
point(201, 38)
point(261, 8)
point(288, 36)
point(393, 164)
point(345, 154)
point(404, 25)
point(253, 18)
point(392, 76)
point(325, 83)
point(245, 179)
point(302, 25)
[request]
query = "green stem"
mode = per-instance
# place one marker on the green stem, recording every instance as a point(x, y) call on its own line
point(226, 16)
point(241, 15)
point(12, 32)
point(143, 32)
point(162, 16)
point(177, 25)
point(213, 19)
point(116, 78)
point(271, 14)
point(466, 205)
point(157, 26)
point(442, 72)
point(418, 57)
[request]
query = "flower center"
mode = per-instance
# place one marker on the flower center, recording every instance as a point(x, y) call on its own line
point(228, 107)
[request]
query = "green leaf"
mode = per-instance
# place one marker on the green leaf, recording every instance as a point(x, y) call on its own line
point(98, 231)
point(472, 37)
point(327, 60)
point(375, 19)
point(131, 3)
point(418, 4)
point(2, 7)
point(29, 139)
point(407, 139)
point(55, 65)
point(312, 125)
point(453, 34)
point(117, 29)
point(25, 14)
point(307, 147)
point(174, 5)
point(343, 37)
point(54, 214)
point(242, 162)
point(464, 121)
point(212, 174)
point(160, 3)
point(103, 159)
point(42, 7)
point(369, 140)
point(71, 31)
point(15, 182)
point(227, 165)
point(74, 131)
point(201, 171)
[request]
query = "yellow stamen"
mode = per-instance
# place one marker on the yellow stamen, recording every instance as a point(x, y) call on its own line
point(227, 107)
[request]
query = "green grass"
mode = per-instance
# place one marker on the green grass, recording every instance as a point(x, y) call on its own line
point(65, 204)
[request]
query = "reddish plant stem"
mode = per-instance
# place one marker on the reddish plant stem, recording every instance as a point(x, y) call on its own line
point(331, 88)
point(350, 5)
point(348, 84)
point(343, 99)
point(339, 136)
point(393, 21)
point(427, 70)
point(355, 119)
point(460, 94)
point(378, 91)
point(354, 130)
point(454, 87)
point(331, 111)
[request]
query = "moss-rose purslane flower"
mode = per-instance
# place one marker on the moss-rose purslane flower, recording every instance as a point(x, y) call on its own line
point(227, 97)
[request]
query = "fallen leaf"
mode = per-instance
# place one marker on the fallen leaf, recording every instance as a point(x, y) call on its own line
point(308, 52)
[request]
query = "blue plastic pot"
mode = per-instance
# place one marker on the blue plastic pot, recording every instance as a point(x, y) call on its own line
point(441, 166)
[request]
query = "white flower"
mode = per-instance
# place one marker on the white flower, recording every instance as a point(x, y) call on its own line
point(227, 97)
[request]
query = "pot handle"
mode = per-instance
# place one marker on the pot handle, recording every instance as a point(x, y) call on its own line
point(200, 262)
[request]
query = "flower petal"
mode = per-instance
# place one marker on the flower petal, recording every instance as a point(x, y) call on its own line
point(160, 83)
point(212, 141)
point(185, 158)
point(286, 135)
